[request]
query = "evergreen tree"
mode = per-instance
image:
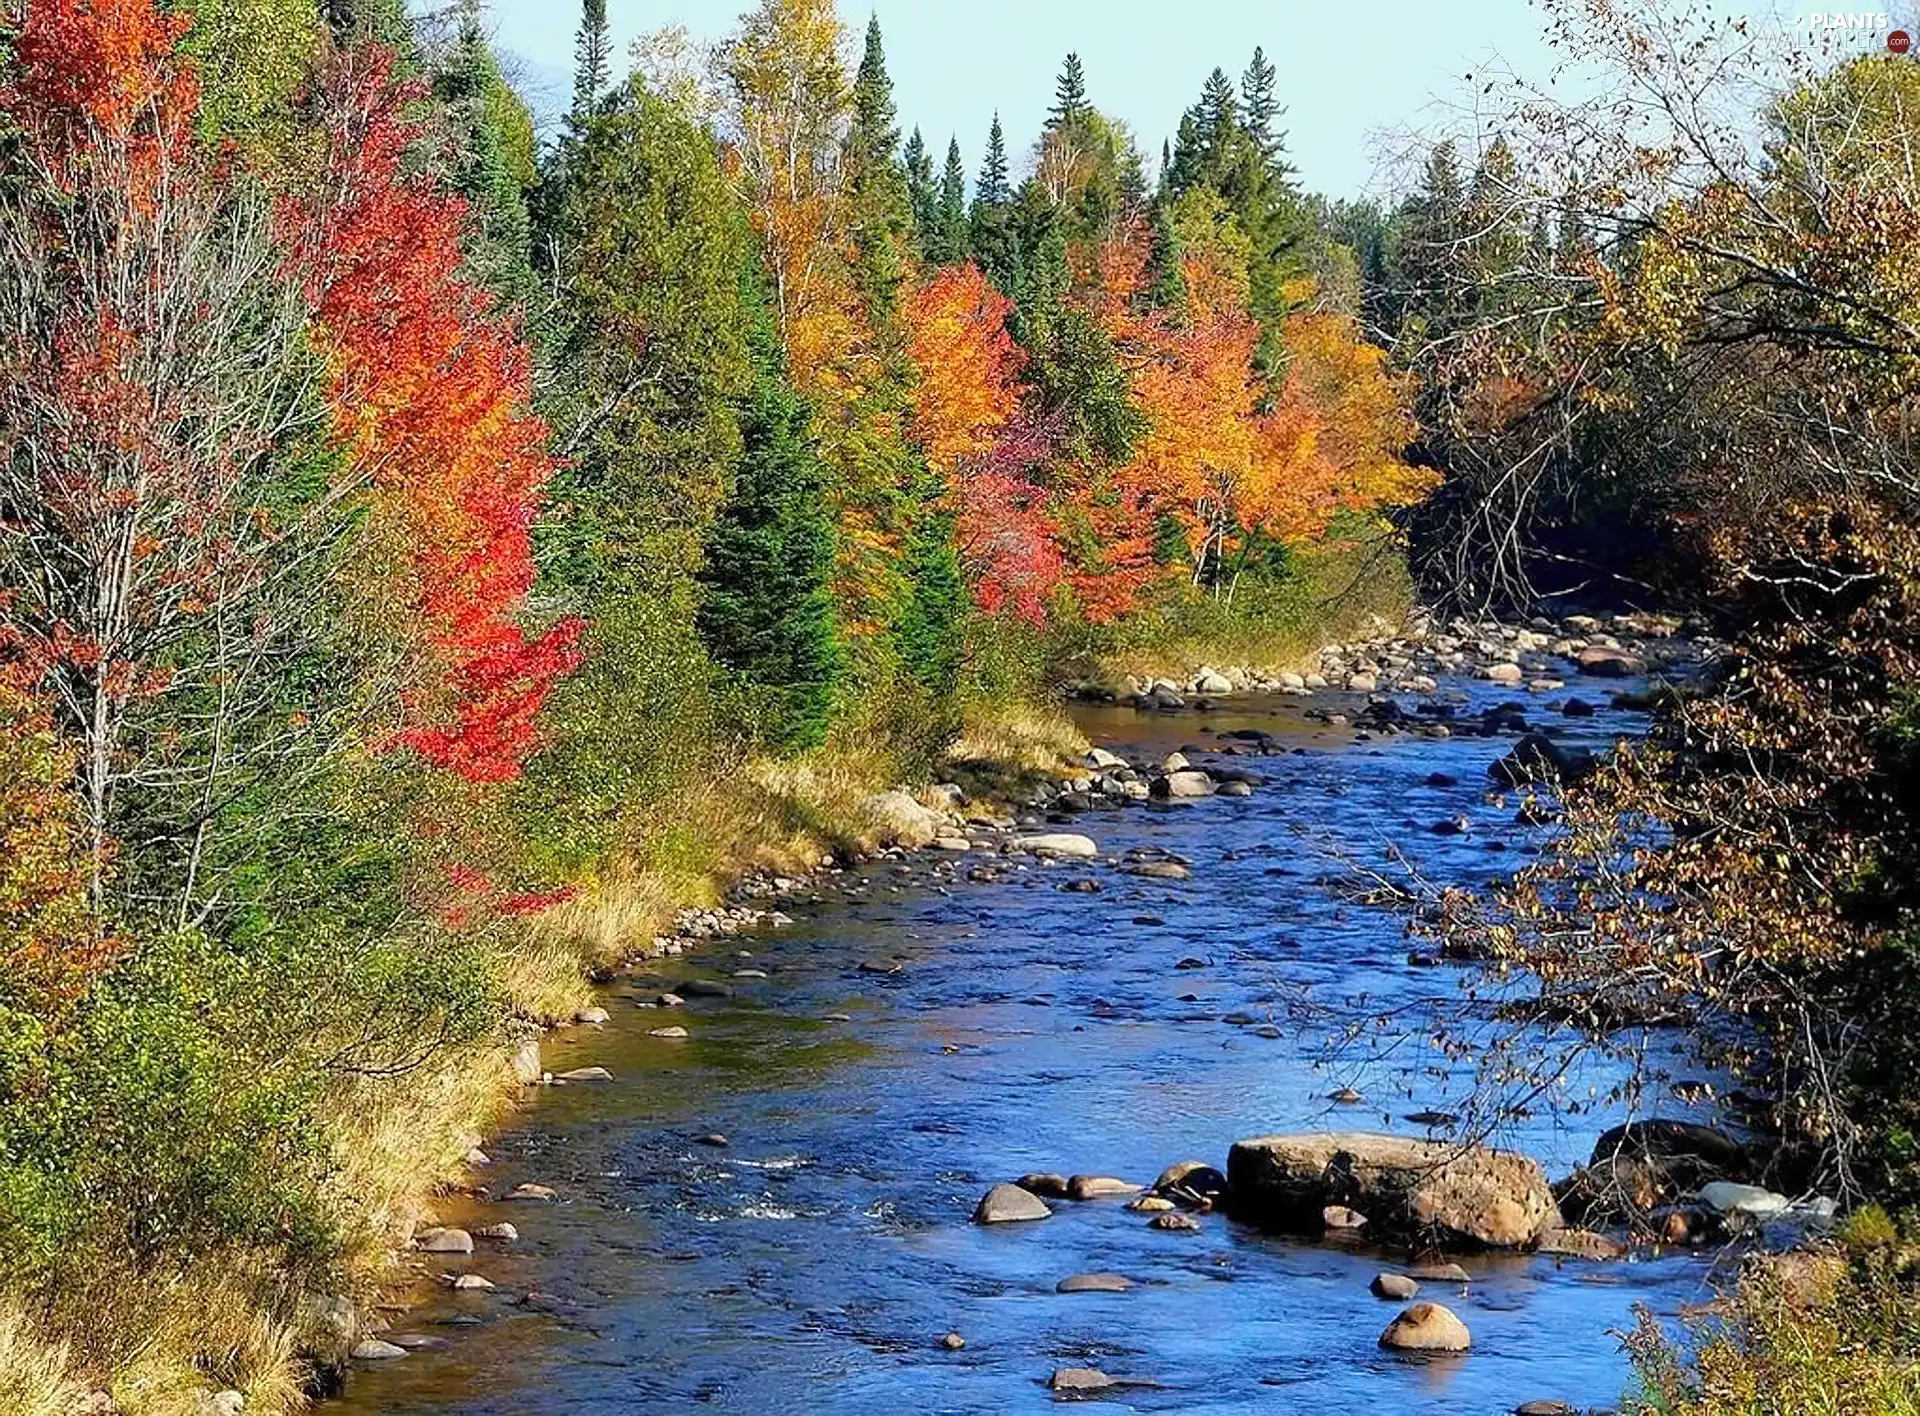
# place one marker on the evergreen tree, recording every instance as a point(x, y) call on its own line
point(1261, 108)
point(923, 195)
point(592, 58)
point(952, 218)
point(930, 635)
point(991, 239)
point(1167, 282)
point(877, 189)
point(767, 613)
point(1070, 106)
point(992, 187)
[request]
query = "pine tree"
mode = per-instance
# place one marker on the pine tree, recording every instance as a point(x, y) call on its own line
point(923, 195)
point(384, 22)
point(767, 613)
point(592, 58)
point(992, 187)
point(1167, 287)
point(991, 240)
point(1070, 106)
point(930, 634)
point(952, 220)
point(877, 188)
point(1262, 109)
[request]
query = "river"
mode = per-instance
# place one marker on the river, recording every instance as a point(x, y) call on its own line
point(817, 1261)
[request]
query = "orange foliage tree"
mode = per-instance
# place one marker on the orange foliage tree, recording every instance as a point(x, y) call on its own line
point(431, 390)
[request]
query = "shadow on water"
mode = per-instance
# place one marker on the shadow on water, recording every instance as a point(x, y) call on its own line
point(817, 1260)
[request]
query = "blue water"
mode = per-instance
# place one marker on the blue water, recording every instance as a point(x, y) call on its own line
point(817, 1261)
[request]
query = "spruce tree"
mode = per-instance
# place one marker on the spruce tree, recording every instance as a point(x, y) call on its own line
point(592, 58)
point(1262, 109)
point(930, 635)
point(1070, 106)
point(767, 612)
point(923, 194)
point(877, 188)
point(1167, 287)
point(992, 187)
point(990, 236)
point(952, 217)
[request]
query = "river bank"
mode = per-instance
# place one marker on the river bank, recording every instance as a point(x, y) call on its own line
point(989, 1013)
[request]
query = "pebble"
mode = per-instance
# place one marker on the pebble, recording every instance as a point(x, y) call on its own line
point(953, 1342)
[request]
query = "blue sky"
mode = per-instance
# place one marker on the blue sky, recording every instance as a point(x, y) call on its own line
point(1351, 75)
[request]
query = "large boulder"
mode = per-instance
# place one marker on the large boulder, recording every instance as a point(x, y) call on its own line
point(895, 818)
point(1427, 1327)
point(1637, 1167)
point(1178, 785)
point(1538, 758)
point(1598, 661)
point(1436, 1192)
point(1009, 1204)
point(1065, 844)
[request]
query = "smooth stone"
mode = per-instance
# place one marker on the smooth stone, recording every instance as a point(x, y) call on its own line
point(1158, 870)
point(532, 1192)
point(670, 1000)
point(1396, 1286)
point(1440, 1273)
point(1044, 1184)
point(592, 1016)
point(1152, 1204)
point(953, 1342)
point(471, 1282)
point(1235, 789)
point(714, 1139)
point(704, 988)
point(1193, 1176)
point(372, 1349)
point(1175, 1222)
point(1058, 843)
point(1180, 786)
point(1081, 1379)
point(1427, 1327)
point(503, 1232)
point(1094, 1283)
point(585, 1074)
point(443, 1241)
point(1345, 1096)
point(1009, 1204)
point(1096, 1187)
point(673, 1032)
point(1580, 1244)
point(1340, 1217)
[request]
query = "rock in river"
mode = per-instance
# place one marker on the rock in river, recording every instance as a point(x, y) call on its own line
point(1044, 1184)
point(1096, 1187)
point(443, 1241)
point(1396, 1286)
point(1058, 843)
point(1181, 785)
point(1427, 1327)
point(1080, 1379)
point(1094, 1283)
point(1600, 662)
point(1008, 1204)
point(372, 1349)
point(1432, 1191)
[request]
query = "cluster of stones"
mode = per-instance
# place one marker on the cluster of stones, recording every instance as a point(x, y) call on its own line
point(1540, 656)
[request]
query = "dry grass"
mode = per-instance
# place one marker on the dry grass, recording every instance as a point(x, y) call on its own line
point(35, 1376)
point(232, 1322)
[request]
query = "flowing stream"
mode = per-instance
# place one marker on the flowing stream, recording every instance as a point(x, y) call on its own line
point(817, 1261)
